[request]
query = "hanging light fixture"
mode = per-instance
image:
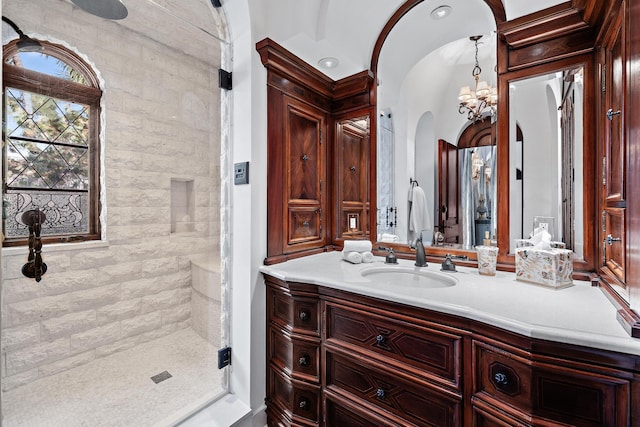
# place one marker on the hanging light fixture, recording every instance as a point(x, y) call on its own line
point(482, 100)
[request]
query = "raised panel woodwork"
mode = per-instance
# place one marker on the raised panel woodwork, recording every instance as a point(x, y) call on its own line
point(303, 108)
point(614, 248)
point(295, 313)
point(341, 413)
point(305, 224)
point(352, 166)
point(502, 378)
point(390, 364)
point(390, 392)
point(303, 132)
point(353, 142)
point(434, 353)
point(487, 416)
point(448, 192)
point(615, 241)
point(580, 398)
point(513, 384)
point(299, 401)
point(304, 174)
point(615, 74)
point(299, 357)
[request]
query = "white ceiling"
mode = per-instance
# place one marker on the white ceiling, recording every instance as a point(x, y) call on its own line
point(348, 29)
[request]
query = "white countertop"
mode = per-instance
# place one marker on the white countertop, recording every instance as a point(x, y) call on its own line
point(580, 314)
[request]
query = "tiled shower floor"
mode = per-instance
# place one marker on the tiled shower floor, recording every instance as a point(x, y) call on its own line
point(117, 391)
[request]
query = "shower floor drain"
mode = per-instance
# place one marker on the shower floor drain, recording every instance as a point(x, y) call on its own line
point(161, 377)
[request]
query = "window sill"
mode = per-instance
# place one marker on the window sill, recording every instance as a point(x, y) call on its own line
point(58, 247)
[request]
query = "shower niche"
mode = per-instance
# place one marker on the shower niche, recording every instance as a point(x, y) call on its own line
point(182, 206)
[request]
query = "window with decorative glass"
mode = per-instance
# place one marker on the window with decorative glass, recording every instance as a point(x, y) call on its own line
point(50, 139)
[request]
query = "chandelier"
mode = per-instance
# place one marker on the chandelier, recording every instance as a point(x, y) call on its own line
point(481, 101)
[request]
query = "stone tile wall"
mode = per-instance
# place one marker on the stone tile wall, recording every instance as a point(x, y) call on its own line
point(161, 121)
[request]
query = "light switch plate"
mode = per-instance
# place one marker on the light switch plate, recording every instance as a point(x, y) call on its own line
point(241, 173)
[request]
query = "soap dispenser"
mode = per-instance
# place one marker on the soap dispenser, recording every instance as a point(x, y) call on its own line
point(487, 240)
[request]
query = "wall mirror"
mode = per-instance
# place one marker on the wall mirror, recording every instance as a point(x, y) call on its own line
point(426, 58)
point(549, 116)
point(546, 115)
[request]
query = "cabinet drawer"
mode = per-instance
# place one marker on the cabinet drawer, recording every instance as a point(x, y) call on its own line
point(580, 398)
point(296, 313)
point(434, 352)
point(300, 401)
point(487, 416)
point(382, 390)
point(298, 356)
point(502, 376)
point(574, 396)
point(339, 412)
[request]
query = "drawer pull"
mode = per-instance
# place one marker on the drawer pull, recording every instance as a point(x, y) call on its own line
point(381, 340)
point(303, 404)
point(304, 360)
point(380, 394)
point(304, 315)
point(500, 379)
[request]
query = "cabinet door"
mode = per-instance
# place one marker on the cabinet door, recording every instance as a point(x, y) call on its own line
point(448, 192)
point(352, 147)
point(304, 175)
point(614, 159)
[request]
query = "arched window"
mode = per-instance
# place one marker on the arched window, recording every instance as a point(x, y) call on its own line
point(51, 109)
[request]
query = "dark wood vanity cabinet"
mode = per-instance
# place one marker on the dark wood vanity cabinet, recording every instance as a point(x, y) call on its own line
point(339, 359)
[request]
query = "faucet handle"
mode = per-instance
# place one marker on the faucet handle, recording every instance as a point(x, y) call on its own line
point(391, 257)
point(448, 264)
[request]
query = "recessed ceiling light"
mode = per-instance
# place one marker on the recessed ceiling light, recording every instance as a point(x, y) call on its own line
point(328, 62)
point(441, 12)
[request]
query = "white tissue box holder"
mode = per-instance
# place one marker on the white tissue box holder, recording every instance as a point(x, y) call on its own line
point(548, 267)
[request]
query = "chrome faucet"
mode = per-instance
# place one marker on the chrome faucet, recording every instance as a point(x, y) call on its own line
point(421, 258)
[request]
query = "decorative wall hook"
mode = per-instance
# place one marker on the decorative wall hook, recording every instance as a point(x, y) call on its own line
point(34, 268)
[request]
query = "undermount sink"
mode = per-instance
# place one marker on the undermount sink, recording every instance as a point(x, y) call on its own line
point(408, 277)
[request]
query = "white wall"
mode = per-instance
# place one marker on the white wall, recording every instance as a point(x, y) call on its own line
point(249, 141)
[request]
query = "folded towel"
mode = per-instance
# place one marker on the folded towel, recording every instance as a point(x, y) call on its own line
point(352, 257)
point(367, 257)
point(388, 238)
point(357, 246)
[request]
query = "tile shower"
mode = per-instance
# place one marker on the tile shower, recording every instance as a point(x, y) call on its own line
point(109, 315)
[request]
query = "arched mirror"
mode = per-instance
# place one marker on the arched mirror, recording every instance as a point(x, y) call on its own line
point(435, 161)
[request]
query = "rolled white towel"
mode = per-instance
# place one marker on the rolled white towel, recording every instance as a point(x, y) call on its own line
point(352, 257)
point(367, 256)
point(357, 246)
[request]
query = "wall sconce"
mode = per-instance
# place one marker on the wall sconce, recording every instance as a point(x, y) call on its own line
point(26, 43)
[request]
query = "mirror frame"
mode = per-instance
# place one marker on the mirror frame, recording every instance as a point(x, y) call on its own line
point(589, 159)
point(506, 261)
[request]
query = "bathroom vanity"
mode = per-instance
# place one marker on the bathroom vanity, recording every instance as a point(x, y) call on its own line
point(351, 349)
